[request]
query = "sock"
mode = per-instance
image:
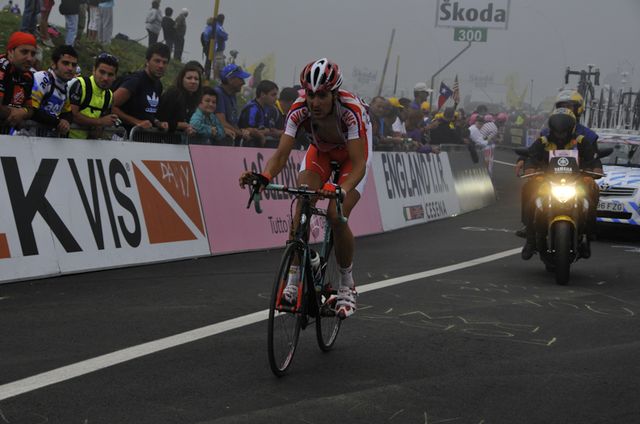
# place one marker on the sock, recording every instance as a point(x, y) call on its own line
point(294, 275)
point(346, 278)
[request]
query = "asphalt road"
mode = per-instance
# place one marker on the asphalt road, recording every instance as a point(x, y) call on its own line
point(490, 341)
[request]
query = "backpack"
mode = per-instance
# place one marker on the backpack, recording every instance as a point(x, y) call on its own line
point(52, 89)
point(86, 102)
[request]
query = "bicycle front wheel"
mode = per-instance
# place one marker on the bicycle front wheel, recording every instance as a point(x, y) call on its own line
point(284, 321)
point(328, 323)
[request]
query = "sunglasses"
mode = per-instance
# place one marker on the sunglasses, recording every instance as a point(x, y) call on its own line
point(108, 56)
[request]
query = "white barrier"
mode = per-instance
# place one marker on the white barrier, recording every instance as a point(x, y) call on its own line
point(71, 205)
point(413, 188)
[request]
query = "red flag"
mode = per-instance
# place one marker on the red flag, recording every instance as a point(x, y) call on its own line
point(456, 91)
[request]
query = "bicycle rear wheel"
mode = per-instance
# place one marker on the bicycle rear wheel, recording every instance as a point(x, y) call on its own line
point(328, 323)
point(284, 322)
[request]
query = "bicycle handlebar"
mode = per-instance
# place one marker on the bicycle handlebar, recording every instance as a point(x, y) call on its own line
point(255, 197)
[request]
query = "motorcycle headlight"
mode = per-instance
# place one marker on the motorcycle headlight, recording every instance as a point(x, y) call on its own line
point(563, 193)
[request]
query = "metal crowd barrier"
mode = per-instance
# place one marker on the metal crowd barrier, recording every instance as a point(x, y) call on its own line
point(35, 129)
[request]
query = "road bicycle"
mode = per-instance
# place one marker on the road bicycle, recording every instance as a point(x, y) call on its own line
point(317, 288)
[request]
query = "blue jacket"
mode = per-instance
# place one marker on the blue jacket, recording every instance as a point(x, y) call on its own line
point(202, 123)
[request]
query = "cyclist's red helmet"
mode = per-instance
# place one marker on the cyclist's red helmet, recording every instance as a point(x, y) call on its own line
point(321, 75)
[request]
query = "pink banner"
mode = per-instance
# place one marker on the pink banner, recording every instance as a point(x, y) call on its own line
point(231, 227)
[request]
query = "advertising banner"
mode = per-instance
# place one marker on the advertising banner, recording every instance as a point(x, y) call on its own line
point(232, 227)
point(74, 205)
point(413, 188)
point(492, 14)
point(473, 184)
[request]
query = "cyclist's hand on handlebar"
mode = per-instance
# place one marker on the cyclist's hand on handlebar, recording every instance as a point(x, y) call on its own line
point(248, 178)
point(331, 190)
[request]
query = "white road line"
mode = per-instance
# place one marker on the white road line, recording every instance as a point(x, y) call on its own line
point(78, 369)
point(504, 163)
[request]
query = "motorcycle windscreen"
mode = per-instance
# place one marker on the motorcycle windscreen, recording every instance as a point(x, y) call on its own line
point(564, 161)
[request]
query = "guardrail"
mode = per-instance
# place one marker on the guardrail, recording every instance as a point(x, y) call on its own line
point(36, 129)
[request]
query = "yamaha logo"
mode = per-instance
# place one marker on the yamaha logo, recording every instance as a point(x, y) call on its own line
point(563, 162)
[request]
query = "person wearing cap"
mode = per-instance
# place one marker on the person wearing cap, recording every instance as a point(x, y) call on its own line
point(181, 31)
point(137, 98)
point(420, 95)
point(398, 126)
point(16, 79)
point(232, 79)
point(442, 131)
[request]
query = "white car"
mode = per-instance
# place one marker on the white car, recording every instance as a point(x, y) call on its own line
point(620, 188)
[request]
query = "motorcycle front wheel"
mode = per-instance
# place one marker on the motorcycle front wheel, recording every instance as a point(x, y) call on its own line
point(562, 241)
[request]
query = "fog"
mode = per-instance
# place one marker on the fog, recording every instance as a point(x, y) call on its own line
point(542, 39)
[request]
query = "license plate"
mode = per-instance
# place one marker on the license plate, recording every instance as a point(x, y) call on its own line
point(610, 207)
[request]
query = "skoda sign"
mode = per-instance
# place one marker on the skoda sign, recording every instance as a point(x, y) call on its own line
point(492, 14)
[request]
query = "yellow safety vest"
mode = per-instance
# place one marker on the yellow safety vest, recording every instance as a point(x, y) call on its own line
point(94, 103)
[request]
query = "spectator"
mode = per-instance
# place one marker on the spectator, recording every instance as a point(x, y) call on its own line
point(376, 114)
point(288, 95)
point(92, 99)
point(169, 28)
point(154, 22)
point(181, 31)
point(50, 97)
point(16, 79)
point(442, 131)
point(204, 120)
point(82, 18)
point(136, 100)
point(475, 133)
point(15, 9)
point(425, 107)
point(45, 10)
point(255, 116)
point(232, 78)
point(105, 22)
point(94, 20)
point(180, 101)
point(398, 126)
point(30, 16)
point(420, 95)
point(214, 29)
point(70, 9)
point(489, 129)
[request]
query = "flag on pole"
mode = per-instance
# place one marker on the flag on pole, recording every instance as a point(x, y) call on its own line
point(456, 91)
point(445, 93)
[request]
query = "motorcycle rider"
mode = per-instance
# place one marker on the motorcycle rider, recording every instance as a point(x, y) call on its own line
point(570, 99)
point(562, 135)
point(565, 99)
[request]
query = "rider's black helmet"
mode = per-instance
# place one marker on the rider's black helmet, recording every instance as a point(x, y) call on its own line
point(562, 125)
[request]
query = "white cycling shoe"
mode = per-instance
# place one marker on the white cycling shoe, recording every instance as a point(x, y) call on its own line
point(346, 302)
point(290, 294)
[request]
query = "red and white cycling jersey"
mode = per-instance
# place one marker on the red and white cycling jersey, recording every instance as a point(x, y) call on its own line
point(351, 117)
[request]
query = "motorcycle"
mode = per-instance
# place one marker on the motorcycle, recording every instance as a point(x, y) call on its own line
point(561, 211)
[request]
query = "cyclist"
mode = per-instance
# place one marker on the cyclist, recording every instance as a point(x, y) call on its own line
point(339, 127)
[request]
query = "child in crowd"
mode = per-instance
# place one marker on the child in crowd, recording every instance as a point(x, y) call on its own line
point(204, 120)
